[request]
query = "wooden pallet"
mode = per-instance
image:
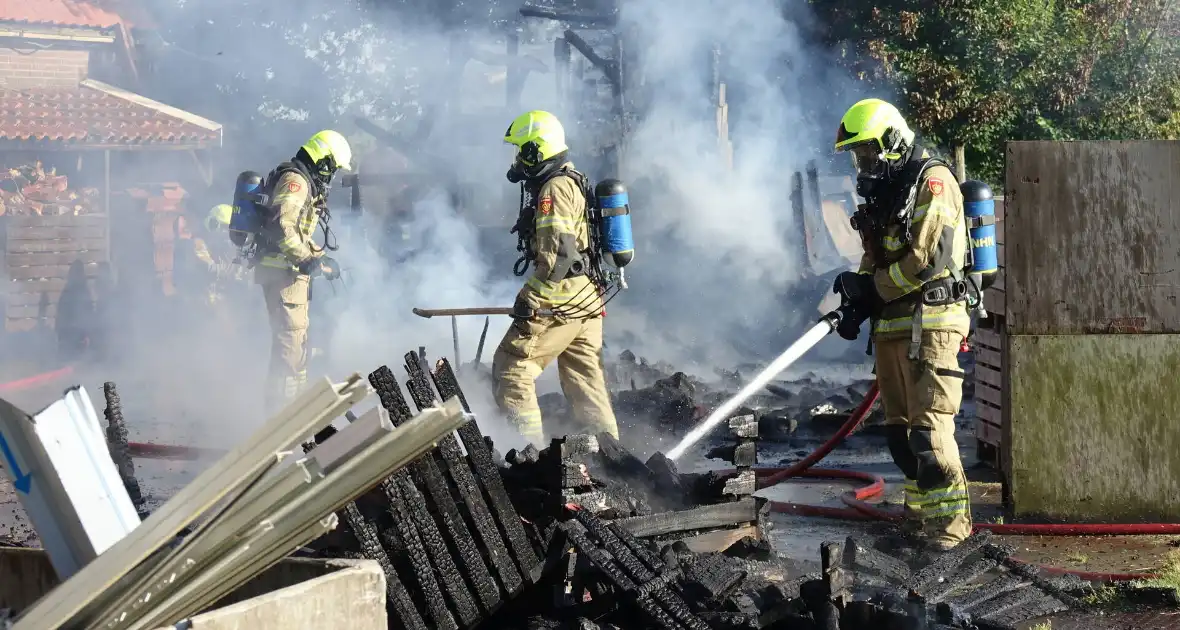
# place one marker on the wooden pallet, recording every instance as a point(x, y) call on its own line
point(40, 252)
point(988, 347)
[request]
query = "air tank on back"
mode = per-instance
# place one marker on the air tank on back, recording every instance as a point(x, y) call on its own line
point(979, 207)
point(618, 245)
point(246, 220)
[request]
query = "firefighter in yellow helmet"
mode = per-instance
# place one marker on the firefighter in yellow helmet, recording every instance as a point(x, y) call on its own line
point(298, 192)
point(558, 312)
point(910, 286)
point(201, 259)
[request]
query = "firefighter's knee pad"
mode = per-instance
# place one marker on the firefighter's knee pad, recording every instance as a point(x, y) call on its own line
point(931, 473)
point(898, 438)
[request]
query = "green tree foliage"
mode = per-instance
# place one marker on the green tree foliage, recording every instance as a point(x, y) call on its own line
point(981, 72)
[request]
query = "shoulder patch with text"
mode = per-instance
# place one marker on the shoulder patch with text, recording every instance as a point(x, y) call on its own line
point(545, 206)
point(294, 187)
point(935, 185)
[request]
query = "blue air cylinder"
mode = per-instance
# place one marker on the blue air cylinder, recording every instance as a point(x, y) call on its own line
point(979, 207)
point(246, 220)
point(618, 246)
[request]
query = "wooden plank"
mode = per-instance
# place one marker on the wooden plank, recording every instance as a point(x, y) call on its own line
point(720, 540)
point(47, 285)
point(32, 221)
point(989, 414)
point(58, 245)
point(989, 338)
point(987, 356)
point(995, 301)
point(989, 376)
point(989, 394)
point(1000, 233)
point(62, 232)
point(987, 433)
point(46, 297)
point(1000, 254)
point(25, 324)
point(21, 311)
point(50, 271)
point(998, 285)
point(1093, 247)
point(53, 258)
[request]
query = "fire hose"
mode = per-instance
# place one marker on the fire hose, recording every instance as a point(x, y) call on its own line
point(857, 500)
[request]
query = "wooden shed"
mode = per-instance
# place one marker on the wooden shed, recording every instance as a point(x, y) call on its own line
point(1091, 334)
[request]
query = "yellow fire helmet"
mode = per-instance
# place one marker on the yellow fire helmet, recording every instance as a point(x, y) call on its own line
point(329, 150)
point(874, 121)
point(537, 135)
point(219, 217)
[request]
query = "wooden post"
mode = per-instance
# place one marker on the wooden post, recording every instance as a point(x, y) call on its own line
point(513, 82)
point(723, 143)
point(960, 163)
point(106, 196)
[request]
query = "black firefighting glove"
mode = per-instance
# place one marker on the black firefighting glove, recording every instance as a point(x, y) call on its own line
point(521, 309)
point(858, 301)
point(324, 265)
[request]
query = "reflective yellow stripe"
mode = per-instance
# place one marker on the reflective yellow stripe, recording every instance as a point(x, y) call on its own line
point(945, 495)
point(899, 278)
point(946, 319)
point(543, 288)
point(561, 225)
point(944, 510)
point(937, 208)
point(892, 243)
point(277, 262)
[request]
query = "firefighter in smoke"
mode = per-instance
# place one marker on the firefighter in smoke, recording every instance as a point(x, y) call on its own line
point(910, 286)
point(290, 257)
point(205, 264)
point(558, 312)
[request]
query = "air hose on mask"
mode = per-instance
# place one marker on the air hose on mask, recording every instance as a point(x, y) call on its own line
point(858, 506)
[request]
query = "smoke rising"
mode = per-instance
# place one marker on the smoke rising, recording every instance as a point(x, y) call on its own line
point(718, 250)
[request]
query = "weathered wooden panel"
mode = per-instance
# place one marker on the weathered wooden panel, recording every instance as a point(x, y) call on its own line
point(989, 338)
point(57, 246)
point(988, 375)
point(33, 221)
point(988, 357)
point(1093, 431)
point(53, 258)
point(1093, 229)
point(990, 395)
point(994, 301)
point(46, 285)
point(987, 433)
point(49, 271)
point(63, 232)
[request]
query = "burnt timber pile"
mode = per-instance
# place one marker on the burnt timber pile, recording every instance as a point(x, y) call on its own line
point(583, 534)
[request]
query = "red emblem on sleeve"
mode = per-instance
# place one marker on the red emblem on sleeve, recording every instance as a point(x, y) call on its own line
point(546, 205)
point(293, 187)
point(935, 185)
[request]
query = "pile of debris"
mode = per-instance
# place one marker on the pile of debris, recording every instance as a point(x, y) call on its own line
point(31, 191)
point(583, 534)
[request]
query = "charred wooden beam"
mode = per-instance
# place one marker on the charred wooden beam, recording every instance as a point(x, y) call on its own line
point(119, 448)
point(397, 596)
point(705, 517)
point(487, 472)
point(608, 67)
point(572, 17)
point(448, 513)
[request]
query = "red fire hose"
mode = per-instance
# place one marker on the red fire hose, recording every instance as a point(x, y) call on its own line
point(859, 508)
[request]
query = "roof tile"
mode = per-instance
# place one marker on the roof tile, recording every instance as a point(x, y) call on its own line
point(85, 116)
point(93, 13)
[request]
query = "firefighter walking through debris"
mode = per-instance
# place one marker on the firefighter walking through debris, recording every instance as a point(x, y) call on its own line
point(910, 284)
point(554, 232)
point(290, 257)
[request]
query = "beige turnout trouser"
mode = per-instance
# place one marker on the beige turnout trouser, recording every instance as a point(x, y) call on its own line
point(927, 394)
point(528, 348)
point(286, 294)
